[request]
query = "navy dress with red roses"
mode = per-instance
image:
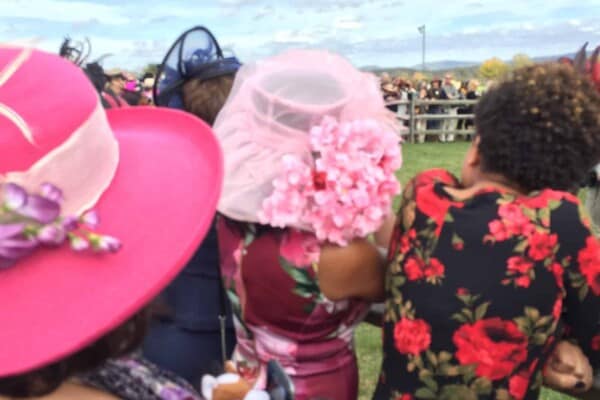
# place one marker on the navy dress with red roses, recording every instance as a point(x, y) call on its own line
point(479, 291)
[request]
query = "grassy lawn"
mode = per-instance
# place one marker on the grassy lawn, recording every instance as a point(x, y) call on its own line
point(368, 339)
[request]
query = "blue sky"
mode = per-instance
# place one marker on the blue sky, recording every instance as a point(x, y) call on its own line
point(368, 32)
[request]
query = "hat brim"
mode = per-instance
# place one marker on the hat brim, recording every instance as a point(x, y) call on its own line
point(160, 205)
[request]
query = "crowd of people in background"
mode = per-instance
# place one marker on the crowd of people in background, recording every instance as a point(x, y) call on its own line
point(404, 89)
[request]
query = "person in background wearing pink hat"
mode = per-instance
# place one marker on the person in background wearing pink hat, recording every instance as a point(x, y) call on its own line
point(95, 221)
point(311, 154)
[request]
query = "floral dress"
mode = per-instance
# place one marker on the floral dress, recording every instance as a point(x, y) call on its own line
point(281, 314)
point(478, 290)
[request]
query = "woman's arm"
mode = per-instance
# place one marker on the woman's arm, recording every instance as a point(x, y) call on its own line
point(353, 271)
point(384, 233)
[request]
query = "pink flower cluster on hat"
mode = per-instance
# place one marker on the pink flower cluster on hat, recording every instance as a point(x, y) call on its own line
point(347, 191)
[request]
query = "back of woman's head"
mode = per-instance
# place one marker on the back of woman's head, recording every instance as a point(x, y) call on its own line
point(205, 98)
point(540, 128)
point(45, 380)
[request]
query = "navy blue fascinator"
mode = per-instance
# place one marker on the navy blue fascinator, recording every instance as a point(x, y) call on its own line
point(196, 54)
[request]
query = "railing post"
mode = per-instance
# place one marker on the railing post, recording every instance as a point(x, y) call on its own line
point(411, 116)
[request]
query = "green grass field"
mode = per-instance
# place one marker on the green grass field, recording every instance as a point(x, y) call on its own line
point(368, 339)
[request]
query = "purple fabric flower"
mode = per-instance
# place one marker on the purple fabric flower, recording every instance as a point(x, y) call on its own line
point(91, 219)
point(70, 223)
point(40, 209)
point(34, 219)
point(109, 243)
point(51, 192)
point(52, 235)
point(15, 248)
point(11, 230)
point(78, 243)
point(15, 196)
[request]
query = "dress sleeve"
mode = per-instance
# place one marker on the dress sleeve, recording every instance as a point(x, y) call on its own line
point(582, 284)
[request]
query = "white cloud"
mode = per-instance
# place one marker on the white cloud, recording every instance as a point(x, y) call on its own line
point(62, 11)
point(528, 26)
point(347, 23)
point(293, 37)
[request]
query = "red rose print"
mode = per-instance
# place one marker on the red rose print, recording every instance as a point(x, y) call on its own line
point(519, 264)
point(404, 397)
point(495, 347)
point(527, 230)
point(435, 175)
point(462, 291)
point(558, 306)
point(558, 272)
point(416, 269)
point(435, 269)
point(542, 245)
point(412, 336)
point(413, 268)
point(596, 343)
point(460, 246)
point(499, 231)
point(513, 218)
point(589, 264)
point(543, 198)
point(406, 241)
point(523, 281)
point(518, 385)
point(433, 205)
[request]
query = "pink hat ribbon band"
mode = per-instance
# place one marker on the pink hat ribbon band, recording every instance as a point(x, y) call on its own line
point(48, 203)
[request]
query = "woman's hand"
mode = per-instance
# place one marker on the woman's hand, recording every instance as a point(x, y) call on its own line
point(568, 369)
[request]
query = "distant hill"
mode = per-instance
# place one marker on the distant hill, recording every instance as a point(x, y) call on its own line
point(462, 70)
point(440, 65)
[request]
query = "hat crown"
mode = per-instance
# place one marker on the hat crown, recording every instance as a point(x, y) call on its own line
point(53, 130)
point(38, 113)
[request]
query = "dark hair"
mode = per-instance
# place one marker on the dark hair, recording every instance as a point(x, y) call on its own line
point(43, 381)
point(540, 128)
point(95, 73)
point(205, 98)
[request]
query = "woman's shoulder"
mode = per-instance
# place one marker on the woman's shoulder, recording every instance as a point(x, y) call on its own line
point(433, 176)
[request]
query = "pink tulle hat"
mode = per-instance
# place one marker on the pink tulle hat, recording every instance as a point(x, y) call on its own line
point(153, 177)
point(273, 105)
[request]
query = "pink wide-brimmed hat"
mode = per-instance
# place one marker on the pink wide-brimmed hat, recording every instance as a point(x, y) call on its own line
point(153, 177)
point(273, 105)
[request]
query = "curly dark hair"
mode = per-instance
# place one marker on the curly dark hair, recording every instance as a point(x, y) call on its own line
point(540, 128)
point(45, 380)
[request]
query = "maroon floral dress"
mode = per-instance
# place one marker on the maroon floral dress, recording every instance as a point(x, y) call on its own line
point(478, 290)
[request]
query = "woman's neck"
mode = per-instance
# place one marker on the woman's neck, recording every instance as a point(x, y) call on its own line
point(484, 181)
